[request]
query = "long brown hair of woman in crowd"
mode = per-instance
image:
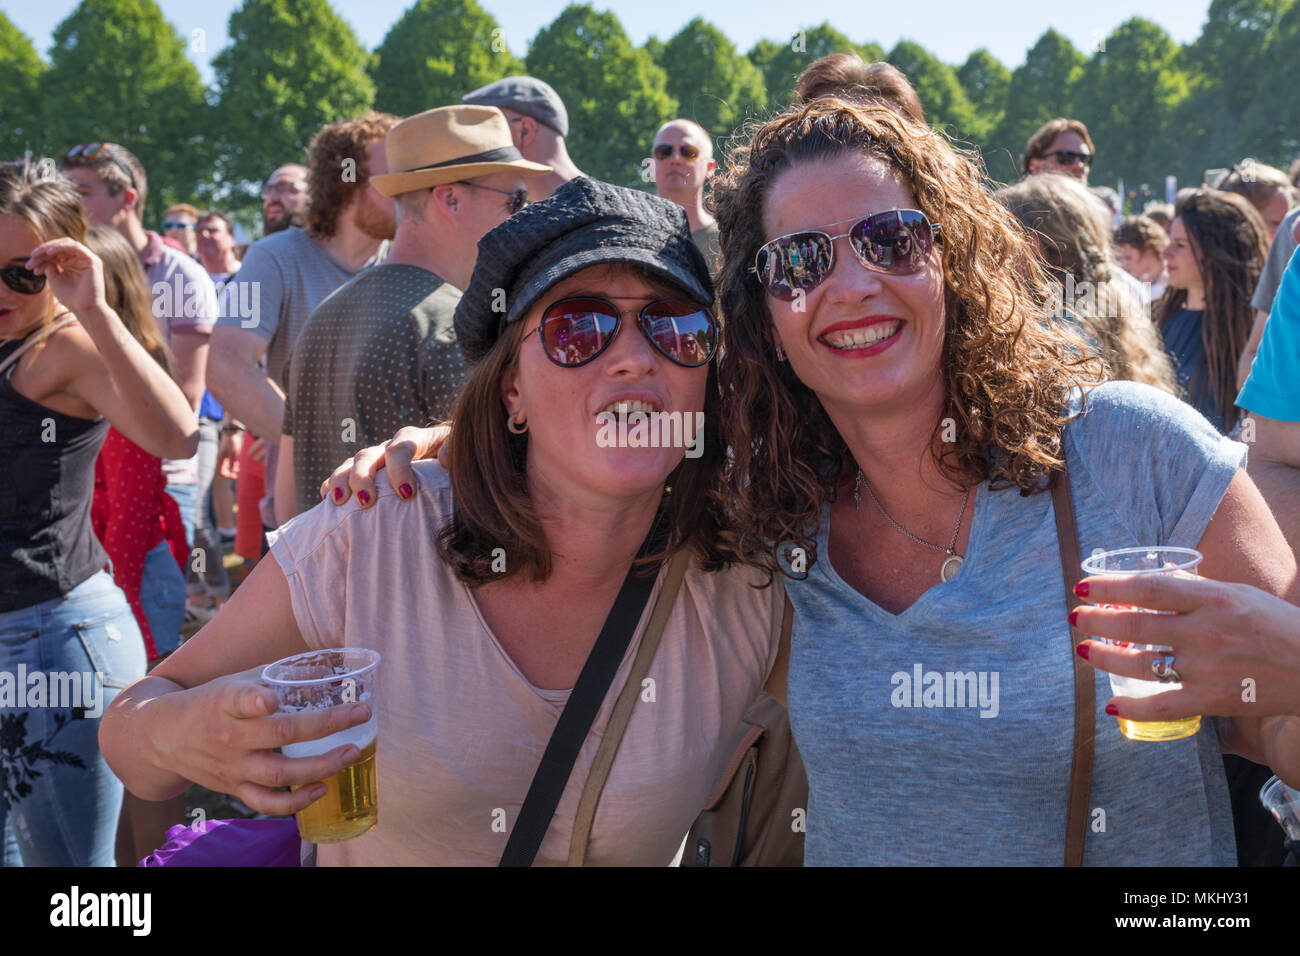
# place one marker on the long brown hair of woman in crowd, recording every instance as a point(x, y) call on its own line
point(1230, 244)
point(126, 292)
point(1073, 233)
point(1006, 373)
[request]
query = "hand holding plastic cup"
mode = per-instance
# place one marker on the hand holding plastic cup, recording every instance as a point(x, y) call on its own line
point(1145, 561)
point(318, 680)
point(1284, 803)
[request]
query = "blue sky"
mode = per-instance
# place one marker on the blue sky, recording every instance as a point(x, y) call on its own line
point(951, 29)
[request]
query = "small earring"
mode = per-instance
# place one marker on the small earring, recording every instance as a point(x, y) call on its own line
point(516, 428)
point(780, 353)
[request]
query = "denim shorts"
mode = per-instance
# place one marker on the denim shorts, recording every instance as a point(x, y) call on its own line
point(61, 664)
point(162, 595)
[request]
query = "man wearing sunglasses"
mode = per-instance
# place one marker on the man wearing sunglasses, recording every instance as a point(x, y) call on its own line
point(179, 223)
point(381, 352)
point(1059, 146)
point(538, 125)
point(682, 161)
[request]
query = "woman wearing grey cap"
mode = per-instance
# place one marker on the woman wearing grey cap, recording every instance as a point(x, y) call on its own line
point(485, 589)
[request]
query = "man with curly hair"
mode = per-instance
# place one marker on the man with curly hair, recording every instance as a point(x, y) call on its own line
point(284, 277)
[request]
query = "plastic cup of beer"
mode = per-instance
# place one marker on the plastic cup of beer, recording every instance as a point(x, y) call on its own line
point(318, 680)
point(1145, 561)
point(1284, 803)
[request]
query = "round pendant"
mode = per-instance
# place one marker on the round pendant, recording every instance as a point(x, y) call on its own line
point(950, 568)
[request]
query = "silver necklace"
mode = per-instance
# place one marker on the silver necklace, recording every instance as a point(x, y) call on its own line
point(952, 564)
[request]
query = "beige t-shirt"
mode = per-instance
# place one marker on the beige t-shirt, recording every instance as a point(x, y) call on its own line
point(461, 731)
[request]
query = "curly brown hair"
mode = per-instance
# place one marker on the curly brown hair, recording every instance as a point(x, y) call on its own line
point(1142, 233)
point(1229, 241)
point(849, 77)
point(1006, 372)
point(330, 148)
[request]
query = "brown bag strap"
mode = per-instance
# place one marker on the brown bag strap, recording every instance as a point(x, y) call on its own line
point(622, 713)
point(1085, 702)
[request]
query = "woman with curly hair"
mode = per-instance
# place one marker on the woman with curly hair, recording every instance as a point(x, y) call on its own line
point(1216, 252)
point(1072, 233)
point(895, 413)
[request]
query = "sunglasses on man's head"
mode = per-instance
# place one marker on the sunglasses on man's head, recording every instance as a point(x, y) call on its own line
point(1068, 157)
point(21, 280)
point(685, 150)
point(576, 330)
point(896, 242)
point(518, 197)
point(90, 150)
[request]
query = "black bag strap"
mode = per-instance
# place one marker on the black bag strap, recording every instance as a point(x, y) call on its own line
point(576, 719)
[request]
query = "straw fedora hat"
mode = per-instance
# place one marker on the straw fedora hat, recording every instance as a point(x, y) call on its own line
point(450, 143)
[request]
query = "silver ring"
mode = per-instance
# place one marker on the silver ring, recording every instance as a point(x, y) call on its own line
point(1163, 669)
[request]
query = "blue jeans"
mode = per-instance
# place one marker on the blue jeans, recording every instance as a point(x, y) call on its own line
point(60, 801)
point(162, 594)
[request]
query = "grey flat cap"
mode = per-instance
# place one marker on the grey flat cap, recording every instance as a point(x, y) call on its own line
point(527, 95)
point(583, 223)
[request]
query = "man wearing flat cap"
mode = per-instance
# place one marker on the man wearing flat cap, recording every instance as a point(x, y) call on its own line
point(538, 125)
point(381, 352)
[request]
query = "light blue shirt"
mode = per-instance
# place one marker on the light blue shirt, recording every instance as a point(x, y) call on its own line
point(1273, 387)
point(978, 773)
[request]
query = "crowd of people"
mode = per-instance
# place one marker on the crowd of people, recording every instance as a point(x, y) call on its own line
point(899, 367)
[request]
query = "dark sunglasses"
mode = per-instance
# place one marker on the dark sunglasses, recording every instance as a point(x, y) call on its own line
point(685, 150)
point(575, 331)
point(1067, 157)
point(178, 225)
point(89, 150)
point(21, 280)
point(896, 242)
point(518, 197)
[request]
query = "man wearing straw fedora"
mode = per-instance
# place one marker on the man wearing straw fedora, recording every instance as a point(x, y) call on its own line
point(381, 351)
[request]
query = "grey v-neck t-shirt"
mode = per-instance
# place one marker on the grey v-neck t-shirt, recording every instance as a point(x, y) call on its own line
point(972, 766)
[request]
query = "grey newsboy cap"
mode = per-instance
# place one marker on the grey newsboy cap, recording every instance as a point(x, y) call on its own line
point(583, 223)
point(527, 95)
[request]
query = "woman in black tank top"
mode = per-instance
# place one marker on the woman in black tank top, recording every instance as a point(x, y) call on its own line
point(68, 640)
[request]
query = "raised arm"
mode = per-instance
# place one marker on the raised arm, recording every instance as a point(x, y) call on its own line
point(112, 373)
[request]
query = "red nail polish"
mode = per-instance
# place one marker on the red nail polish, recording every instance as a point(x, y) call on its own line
point(1074, 619)
point(1112, 710)
point(1081, 589)
point(363, 497)
point(1082, 650)
point(404, 490)
point(338, 494)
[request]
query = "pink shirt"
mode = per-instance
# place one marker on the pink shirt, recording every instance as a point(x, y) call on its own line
point(461, 731)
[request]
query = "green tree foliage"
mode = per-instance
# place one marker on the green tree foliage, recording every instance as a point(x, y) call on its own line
point(1040, 89)
point(436, 52)
point(713, 84)
point(655, 47)
point(1127, 94)
point(291, 67)
point(986, 82)
point(615, 95)
point(781, 63)
point(119, 73)
point(20, 78)
point(1269, 131)
point(942, 97)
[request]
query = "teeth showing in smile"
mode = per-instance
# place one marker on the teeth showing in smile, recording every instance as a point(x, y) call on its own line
point(862, 337)
point(626, 406)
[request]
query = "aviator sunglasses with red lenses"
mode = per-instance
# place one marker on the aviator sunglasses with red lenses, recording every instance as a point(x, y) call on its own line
point(576, 330)
point(896, 242)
